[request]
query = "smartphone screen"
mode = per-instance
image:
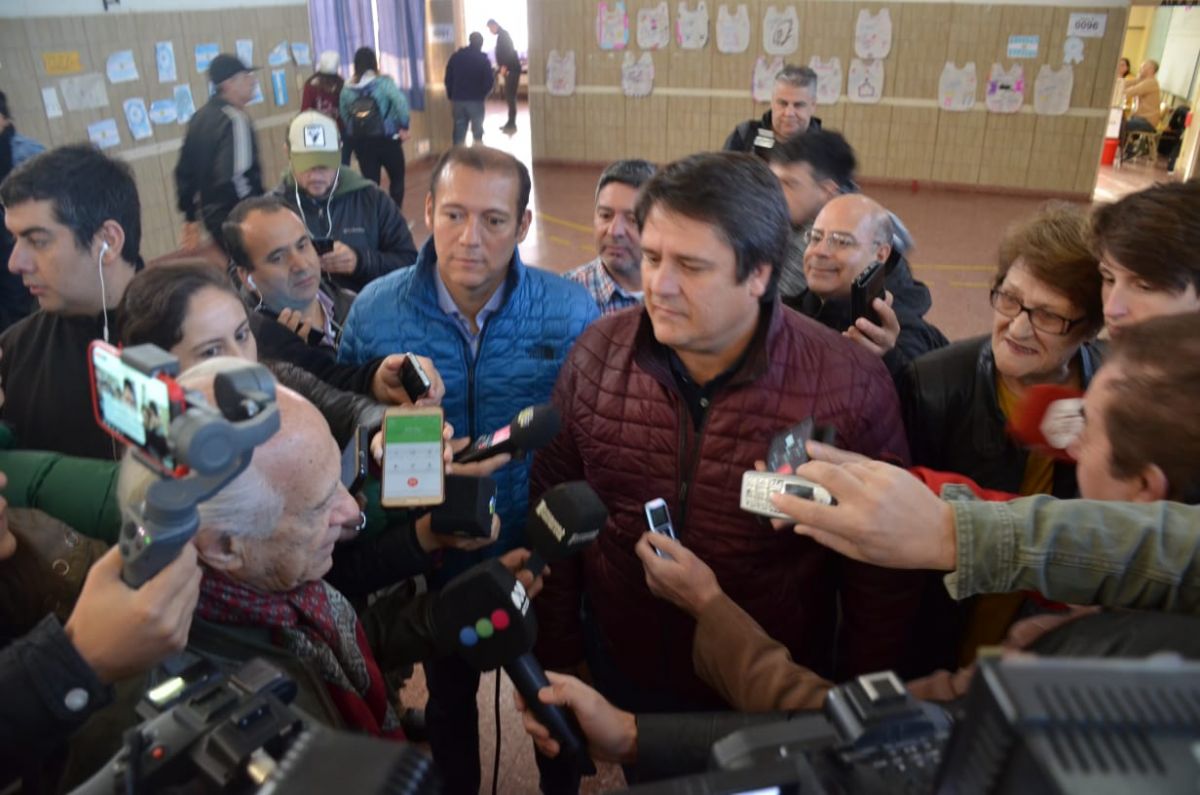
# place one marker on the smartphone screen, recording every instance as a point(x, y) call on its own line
point(412, 458)
point(132, 405)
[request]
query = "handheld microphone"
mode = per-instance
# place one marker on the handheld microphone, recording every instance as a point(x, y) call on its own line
point(532, 428)
point(567, 518)
point(483, 616)
point(1048, 419)
point(468, 509)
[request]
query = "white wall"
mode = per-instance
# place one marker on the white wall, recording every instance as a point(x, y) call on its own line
point(14, 9)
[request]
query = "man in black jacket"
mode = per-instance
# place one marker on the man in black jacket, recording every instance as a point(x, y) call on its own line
point(469, 79)
point(218, 164)
point(55, 677)
point(849, 234)
point(793, 100)
point(359, 230)
point(76, 218)
point(510, 67)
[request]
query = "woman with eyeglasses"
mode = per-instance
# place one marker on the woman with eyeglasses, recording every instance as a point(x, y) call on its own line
point(1046, 310)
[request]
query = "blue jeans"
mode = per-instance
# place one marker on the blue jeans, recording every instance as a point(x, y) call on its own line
point(464, 113)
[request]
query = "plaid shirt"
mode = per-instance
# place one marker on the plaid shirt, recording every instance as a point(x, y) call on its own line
point(607, 294)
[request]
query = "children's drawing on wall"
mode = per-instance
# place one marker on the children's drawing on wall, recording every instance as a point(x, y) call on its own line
point(733, 29)
point(865, 85)
point(637, 75)
point(137, 118)
point(121, 67)
point(1073, 50)
point(873, 34)
point(654, 27)
point(1052, 90)
point(1006, 90)
point(185, 106)
point(829, 79)
point(164, 57)
point(244, 48)
point(104, 133)
point(612, 26)
point(163, 111)
point(279, 55)
point(560, 73)
point(763, 81)
point(279, 87)
point(692, 26)
point(301, 53)
point(50, 100)
point(84, 92)
point(781, 30)
point(956, 87)
point(205, 54)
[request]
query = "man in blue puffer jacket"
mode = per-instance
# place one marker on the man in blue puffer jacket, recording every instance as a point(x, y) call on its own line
point(497, 332)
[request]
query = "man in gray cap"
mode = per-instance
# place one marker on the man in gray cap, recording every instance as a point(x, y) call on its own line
point(218, 164)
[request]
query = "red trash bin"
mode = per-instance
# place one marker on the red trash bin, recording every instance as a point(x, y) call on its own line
point(1110, 152)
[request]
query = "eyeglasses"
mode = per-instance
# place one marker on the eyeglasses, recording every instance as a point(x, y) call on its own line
point(1041, 319)
point(838, 241)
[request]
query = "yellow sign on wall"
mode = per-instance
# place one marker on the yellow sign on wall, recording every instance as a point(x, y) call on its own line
point(62, 63)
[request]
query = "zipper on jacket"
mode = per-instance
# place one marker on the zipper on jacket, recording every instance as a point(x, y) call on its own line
point(471, 361)
point(687, 471)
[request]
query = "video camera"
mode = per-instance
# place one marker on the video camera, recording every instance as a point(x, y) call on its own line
point(195, 449)
point(206, 732)
point(1027, 725)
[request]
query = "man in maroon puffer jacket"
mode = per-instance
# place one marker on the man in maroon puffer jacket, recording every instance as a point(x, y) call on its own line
point(677, 401)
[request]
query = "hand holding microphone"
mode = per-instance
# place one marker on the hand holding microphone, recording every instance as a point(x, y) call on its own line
point(532, 428)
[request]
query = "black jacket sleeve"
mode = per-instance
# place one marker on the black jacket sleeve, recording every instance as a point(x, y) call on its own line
point(375, 561)
point(187, 179)
point(401, 629)
point(344, 411)
point(395, 250)
point(448, 80)
point(275, 342)
point(739, 140)
point(49, 692)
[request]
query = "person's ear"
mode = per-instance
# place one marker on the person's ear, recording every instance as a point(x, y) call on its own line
point(523, 228)
point(1152, 484)
point(829, 189)
point(109, 241)
point(884, 251)
point(758, 280)
point(221, 551)
point(429, 212)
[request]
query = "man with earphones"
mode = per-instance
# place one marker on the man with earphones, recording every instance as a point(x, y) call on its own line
point(76, 218)
point(357, 229)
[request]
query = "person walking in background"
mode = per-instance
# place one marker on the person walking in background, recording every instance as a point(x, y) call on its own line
point(469, 79)
point(375, 113)
point(15, 300)
point(509, 64)
point(322, 92)
point(218, 164)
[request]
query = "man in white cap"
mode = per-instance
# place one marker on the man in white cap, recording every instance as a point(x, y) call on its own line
point(355, 227)
point(218, 164)
point(321, 93)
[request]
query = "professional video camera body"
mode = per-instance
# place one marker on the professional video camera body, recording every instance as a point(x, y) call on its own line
point(1028, 726)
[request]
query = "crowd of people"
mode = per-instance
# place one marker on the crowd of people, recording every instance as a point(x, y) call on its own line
point(717, 312)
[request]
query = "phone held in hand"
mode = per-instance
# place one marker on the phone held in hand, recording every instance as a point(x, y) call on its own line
point(323, 245)
point(658, 517)
point(413, 471)
point(413, 378)
point(867, 286)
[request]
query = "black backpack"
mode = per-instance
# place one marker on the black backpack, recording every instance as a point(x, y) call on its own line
point(364, 119)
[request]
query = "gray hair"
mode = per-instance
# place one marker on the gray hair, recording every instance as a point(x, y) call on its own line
point(250, 505)
point(634, 173)
point(797, 76)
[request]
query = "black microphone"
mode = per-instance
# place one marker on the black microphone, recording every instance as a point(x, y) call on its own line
point(567, 518)
point(468, 508)
point(483, 616)
point(532, 428)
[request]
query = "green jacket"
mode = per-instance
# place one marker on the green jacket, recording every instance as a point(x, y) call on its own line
point(1081, 551)
point(79, 492)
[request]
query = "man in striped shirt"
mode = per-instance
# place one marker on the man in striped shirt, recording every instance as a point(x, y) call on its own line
point(614, 277)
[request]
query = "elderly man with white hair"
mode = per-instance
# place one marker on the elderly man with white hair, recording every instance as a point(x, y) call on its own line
point(264, 543)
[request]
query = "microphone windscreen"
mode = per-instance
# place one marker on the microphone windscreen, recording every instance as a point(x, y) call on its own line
point(1048, 419)
point(534, 427)
point(483, 616)
point(567, 518)
point(468, 508)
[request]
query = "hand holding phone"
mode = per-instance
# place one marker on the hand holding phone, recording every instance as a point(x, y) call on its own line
point(867, 286)
point(413, 378)
point(413, 469)
point(659, 519)
point(323, 245)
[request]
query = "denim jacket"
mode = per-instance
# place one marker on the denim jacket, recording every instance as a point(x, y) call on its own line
point(1080, 551)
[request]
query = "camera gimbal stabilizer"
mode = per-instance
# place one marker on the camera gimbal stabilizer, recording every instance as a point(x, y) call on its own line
point(215, 446)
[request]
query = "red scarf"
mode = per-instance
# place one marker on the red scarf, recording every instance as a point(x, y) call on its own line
point(319, 626)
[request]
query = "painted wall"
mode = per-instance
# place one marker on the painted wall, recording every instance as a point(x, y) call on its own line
point(699, 95)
